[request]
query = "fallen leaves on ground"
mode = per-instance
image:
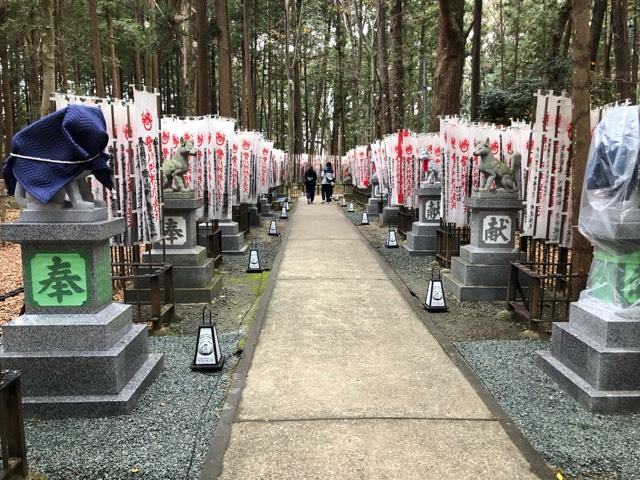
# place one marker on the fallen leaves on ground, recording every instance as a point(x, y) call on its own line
point(10, 275)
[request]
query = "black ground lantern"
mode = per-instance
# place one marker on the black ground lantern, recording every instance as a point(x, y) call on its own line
point(273, 228)
point(283, 212)
point(253, 266)
point(392, 239)
point(350, 208)
point(286, 205)
point(365, 219)
point(208, 355)
point(435, 301)
point(343, 202)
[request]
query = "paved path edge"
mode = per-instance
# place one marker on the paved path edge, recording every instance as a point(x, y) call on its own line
point(213, 462)
point(535, 459)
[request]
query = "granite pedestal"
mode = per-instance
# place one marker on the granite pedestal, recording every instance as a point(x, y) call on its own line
point(421, 240)
point(80, 352)
point(595, 357)
point(254, 216)
point(373, 206)
point(481, 272)
point(193, 272)
point(265, 208)
point(233, 240)
point(389, 216)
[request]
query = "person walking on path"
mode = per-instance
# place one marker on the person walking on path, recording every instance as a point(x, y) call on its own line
point(328, 177)
point(310, 178)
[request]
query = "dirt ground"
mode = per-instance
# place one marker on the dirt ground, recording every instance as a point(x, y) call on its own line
point(463, 321)
point(10, 274)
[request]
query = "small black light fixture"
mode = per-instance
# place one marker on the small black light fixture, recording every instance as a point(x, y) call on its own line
point(273, 228)
point(208, 355)
point(283, 212)
point(365, 219)
point(435, 301)
point(350, 208)
point(253, 266)
point(343, 202)
point(392, 239)
point(286, 204)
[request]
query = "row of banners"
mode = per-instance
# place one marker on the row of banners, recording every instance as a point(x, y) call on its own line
point(229, 166)
point(543, 150)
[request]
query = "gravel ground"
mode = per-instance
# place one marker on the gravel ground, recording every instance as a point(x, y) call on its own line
point(583, 445)
point(463, 321)
point(171, 425)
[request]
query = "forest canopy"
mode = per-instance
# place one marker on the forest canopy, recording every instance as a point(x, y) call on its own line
point(315, 76)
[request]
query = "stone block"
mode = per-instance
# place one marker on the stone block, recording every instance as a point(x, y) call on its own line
point(373, 209)
point(203, 294)
point(91, 372)
point(254, 217)
point(420, 244)
point(604, 368)
point(472, 293)
point(80, 332)
point(46, 233)
point(603, 326)
point(479, 275)
point(229, 228)
point(489, 256)
point(64, 215)
point(121, 403)
point(192, 256)
point(389, 216)
point(594, 400)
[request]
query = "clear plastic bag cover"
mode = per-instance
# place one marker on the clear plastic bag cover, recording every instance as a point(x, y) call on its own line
point(610, 212)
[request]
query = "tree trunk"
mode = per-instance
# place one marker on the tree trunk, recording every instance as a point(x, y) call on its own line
point(248, 107)
point(556, 42)
point(115, 73)
point(224, 59)
point(621, 48)
point(204, 97)
point(297, 107)
point(597, 17)
point(383, 69)
point(634, 55)
point(606, 69)
point(581, 248)
point(61, 67)
point(48, 56)
point(338, 132)
point(397, 87)
point(475, 59)
point(447, 82)
point(33, 81)
point(516, 41)
point(95, 48)
point(7, 97)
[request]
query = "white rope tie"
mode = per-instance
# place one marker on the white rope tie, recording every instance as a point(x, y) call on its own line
point(49, 160)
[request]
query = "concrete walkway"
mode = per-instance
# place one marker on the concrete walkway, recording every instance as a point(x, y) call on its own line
point(347, 383)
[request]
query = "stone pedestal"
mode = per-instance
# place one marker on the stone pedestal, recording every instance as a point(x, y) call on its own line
point(233, 241)
point(373, 206)
point(481, 272)
point(595, 356)
point(254, 216)
point(422, 238)
point(193, 272)
point(80, 353)
point(265, 208)
point(389, 216)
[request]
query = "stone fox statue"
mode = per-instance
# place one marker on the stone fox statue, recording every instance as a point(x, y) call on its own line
point(175, 168)
point(492, 169)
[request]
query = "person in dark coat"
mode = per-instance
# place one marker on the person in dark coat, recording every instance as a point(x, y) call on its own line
point(310, 178)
